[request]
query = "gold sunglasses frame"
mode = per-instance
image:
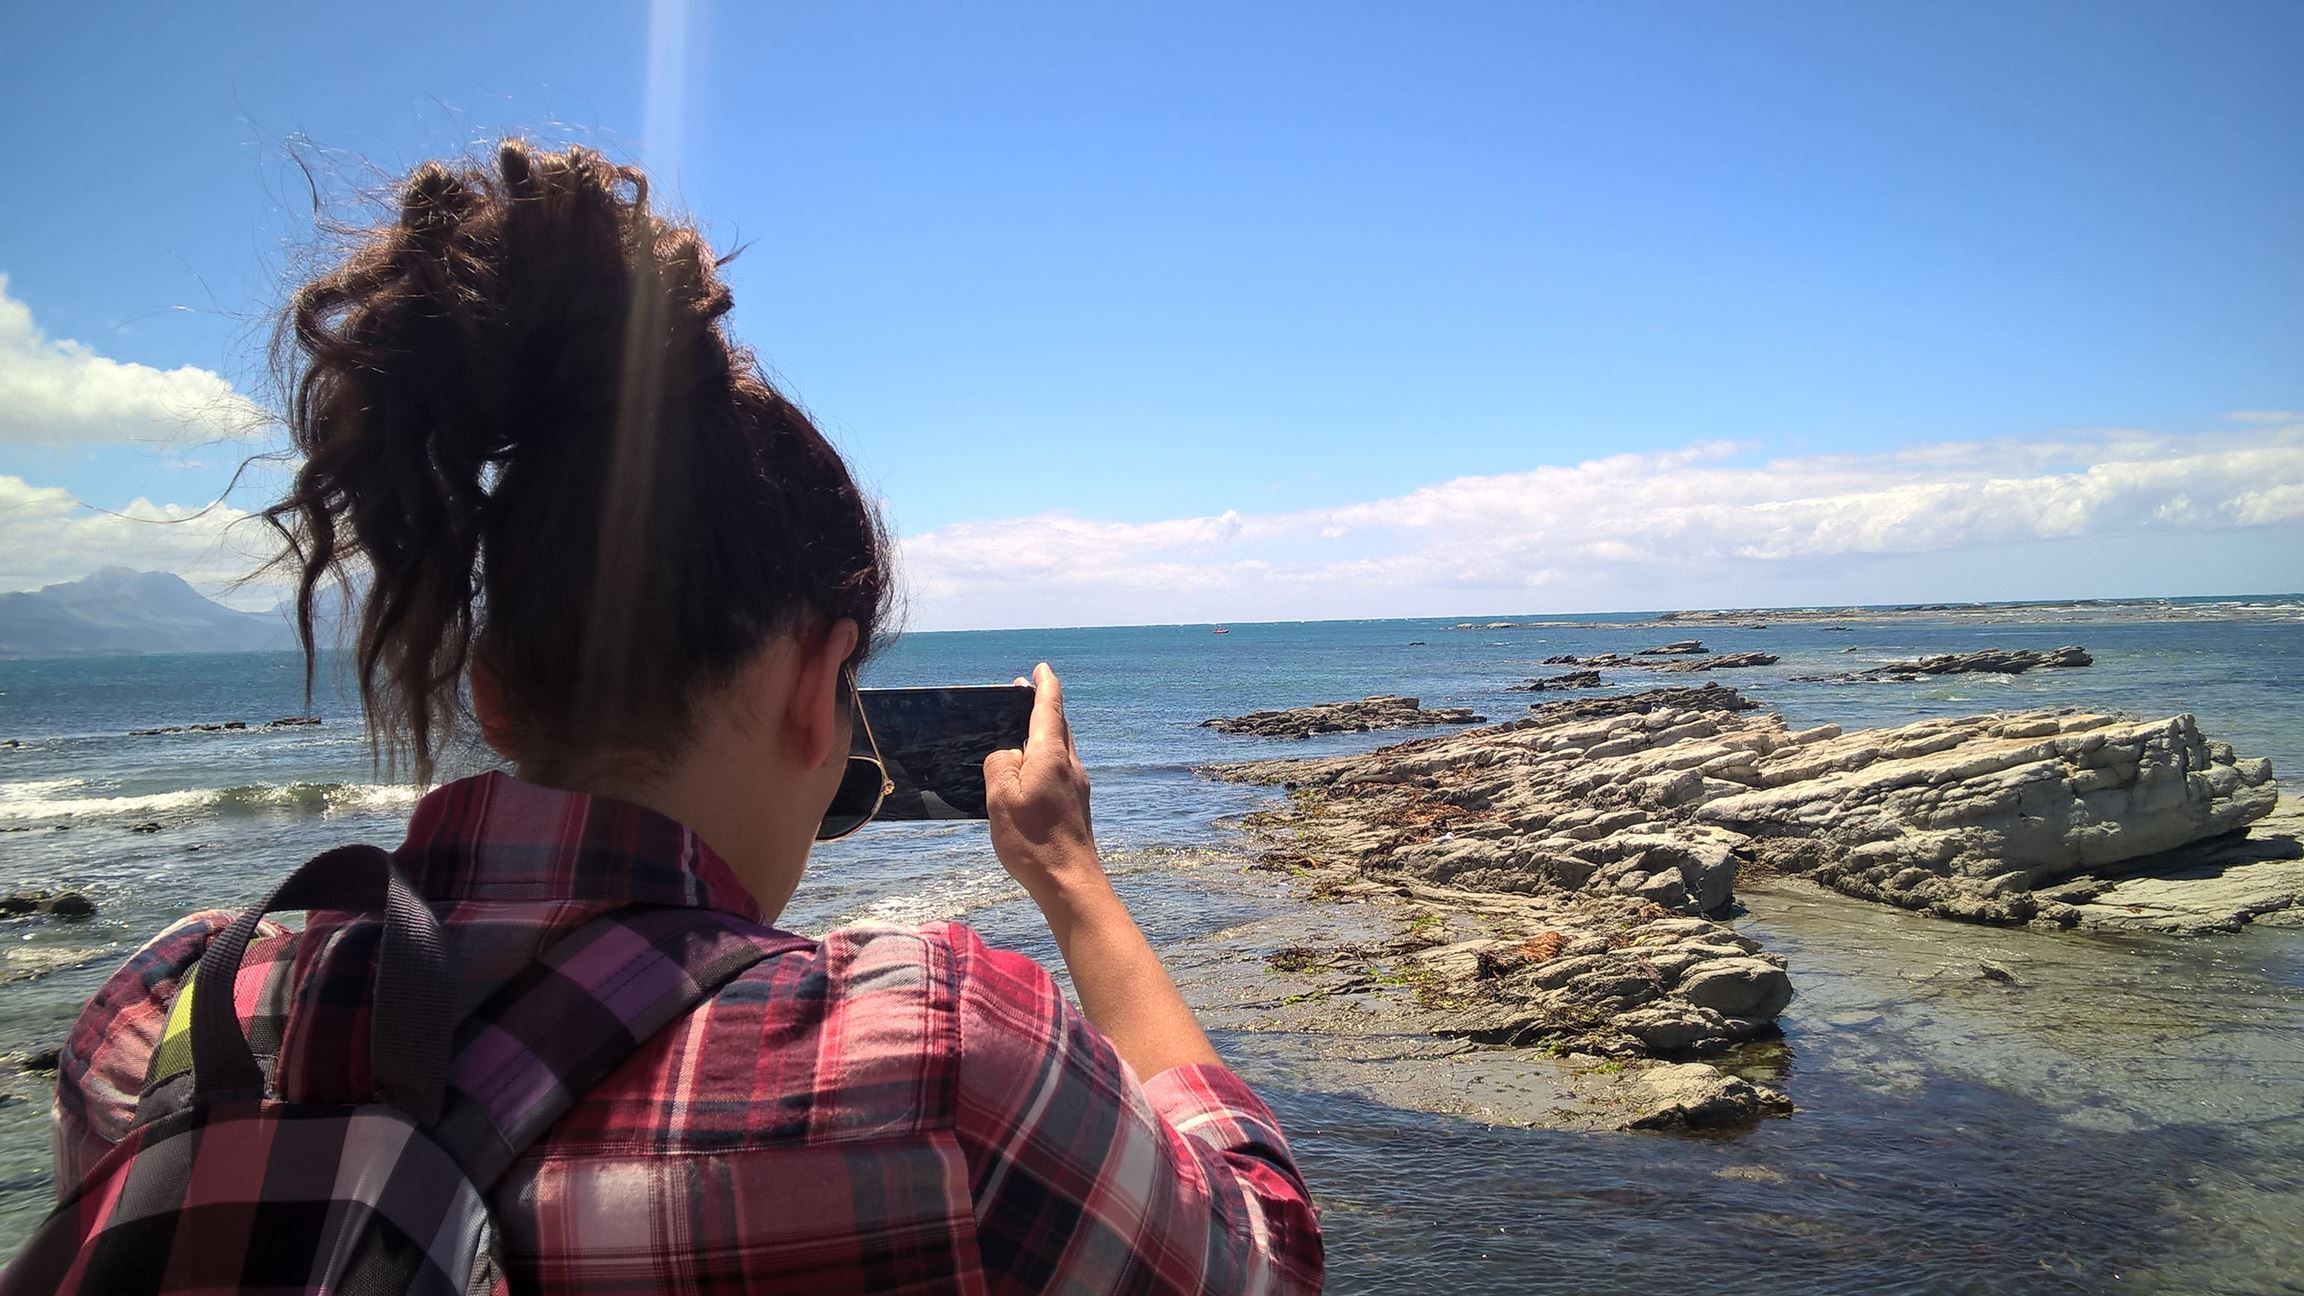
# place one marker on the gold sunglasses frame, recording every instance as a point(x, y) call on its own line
point(887, 785)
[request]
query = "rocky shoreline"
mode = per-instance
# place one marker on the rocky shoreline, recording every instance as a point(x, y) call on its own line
point(2287, 609)
point(1583, 856)
point(1380, 711)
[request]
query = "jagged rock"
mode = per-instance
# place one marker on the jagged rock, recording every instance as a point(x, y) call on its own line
point(1696, 1096)
point(1683, 647)
point(1582, 679)
point(1618, 819)
point(1989, 661)
point(1382, 711)
point(42, 1060)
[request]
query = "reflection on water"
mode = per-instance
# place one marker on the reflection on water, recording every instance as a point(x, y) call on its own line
point(2123, 1114)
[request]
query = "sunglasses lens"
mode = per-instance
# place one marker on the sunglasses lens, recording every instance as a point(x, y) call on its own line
point(856, 801)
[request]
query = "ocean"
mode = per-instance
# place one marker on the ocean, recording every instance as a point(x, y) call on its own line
point(2131, 1117)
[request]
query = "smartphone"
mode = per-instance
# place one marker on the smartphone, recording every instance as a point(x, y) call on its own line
point(933, 742)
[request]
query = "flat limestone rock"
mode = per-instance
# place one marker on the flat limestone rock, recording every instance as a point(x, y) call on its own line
point(2211, 887)
point(1381, 711)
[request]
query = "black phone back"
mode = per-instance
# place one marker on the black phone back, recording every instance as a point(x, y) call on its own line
point(934, 741)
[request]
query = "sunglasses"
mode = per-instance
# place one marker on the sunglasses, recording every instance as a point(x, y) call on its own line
point(863, 786)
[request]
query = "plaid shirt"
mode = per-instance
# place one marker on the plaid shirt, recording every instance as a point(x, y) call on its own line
point(882, 1110)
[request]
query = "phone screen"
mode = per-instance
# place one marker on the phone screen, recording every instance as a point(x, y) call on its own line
point(934, 741)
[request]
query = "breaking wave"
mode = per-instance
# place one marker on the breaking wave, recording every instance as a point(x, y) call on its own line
point(54, 800)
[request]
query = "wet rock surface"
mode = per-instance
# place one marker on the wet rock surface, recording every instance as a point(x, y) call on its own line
point(1381, 711)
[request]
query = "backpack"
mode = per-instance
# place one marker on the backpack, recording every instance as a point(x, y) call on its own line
point(222, 1188)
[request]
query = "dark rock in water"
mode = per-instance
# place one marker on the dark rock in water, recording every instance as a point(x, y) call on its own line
point(1561, 659)
point(1725, 661)
point(1413, 643)
point(1985, 661)
point(148, 826)
point(44, 1060)
point(1711, 697)
point(226, 726)
point(64, 904)
point(72, 904)
point(1382, 711)
point(1692, 656)
point(1582, 679)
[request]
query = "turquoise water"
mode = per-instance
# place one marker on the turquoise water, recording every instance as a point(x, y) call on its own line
point(1946, 1141)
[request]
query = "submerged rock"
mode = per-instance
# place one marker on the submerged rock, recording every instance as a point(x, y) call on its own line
point(1382, 711)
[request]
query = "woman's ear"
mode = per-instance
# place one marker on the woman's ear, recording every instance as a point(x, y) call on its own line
point(819, 691)
point(488, 709)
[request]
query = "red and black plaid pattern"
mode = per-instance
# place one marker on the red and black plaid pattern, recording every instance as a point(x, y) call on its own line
point(877, 1110)
point(267, 1197)
point(298, 1197)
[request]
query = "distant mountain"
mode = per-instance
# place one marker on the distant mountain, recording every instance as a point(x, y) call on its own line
point(122, 611)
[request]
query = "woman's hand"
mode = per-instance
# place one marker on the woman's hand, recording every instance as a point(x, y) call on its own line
point(1037, 799)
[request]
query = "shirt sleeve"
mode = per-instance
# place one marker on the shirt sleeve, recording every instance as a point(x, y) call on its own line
point(1085, 1178)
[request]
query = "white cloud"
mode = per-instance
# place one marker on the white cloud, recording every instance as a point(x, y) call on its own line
point(61, 392)
point(48, 535)
point(1625, 530)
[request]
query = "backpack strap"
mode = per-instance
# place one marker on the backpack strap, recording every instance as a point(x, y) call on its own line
point(414, 989)
point(572, 1016)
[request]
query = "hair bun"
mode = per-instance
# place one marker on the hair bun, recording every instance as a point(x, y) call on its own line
point(518, 411)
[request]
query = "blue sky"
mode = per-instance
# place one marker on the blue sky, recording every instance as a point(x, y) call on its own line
point(1170, 312)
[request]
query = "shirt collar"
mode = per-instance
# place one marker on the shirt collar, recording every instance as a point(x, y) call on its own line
point(493, 837)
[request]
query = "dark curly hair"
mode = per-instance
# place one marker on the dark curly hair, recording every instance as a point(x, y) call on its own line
point(527, 441)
